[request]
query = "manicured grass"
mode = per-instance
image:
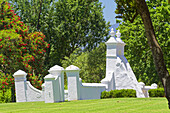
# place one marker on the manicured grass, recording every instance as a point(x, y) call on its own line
point(116, 105)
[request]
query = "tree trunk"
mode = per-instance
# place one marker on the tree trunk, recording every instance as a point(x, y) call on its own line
point(155, 48)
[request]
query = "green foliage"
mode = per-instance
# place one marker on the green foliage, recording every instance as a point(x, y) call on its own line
point(5, 96)
point(18, 48)
point(118, 93)
point(6, 83)
point(137, 50)
point(36, 80)
point(157, 92)
point(126, 9)
point(92, 64)
point(105, 94)
point(67, 24)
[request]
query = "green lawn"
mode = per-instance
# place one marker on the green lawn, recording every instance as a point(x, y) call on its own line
point(116, 105)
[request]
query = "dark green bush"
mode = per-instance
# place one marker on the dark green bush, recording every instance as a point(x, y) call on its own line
point(118, 93)
point(105, 94)
point(157, 92)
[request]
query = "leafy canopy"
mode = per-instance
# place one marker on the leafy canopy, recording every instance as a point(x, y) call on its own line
point(137, 50)
point(67, 24)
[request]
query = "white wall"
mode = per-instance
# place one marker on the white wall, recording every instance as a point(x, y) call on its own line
point(91, 91)
point(33, 94)
point(25, 92)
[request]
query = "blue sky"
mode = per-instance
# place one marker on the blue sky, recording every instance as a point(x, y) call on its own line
point(108, 11)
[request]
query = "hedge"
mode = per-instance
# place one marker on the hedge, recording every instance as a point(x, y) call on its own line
point(157, 92)
point(118, 93)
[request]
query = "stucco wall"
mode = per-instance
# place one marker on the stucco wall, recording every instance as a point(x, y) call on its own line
point(91, 90)
point(33, 94)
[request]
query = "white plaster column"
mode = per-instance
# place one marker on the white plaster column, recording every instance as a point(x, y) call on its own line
point(51, 89)
point(111, 58)
point(111, 55)
point(20, 86)
point(58, 72)
point(73, 82)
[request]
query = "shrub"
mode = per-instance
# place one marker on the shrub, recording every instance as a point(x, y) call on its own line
point(7, 88)
point(5, 96)
point(157, 92)
point(105, 94)
point(118, 93)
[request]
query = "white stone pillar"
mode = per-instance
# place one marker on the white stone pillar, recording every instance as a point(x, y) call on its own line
point(58, 72)
point(51, 89)
point(73, 82)
point(20, 86)
point(111, 55)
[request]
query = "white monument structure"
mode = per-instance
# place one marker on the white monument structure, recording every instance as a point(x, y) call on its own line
point(119, 75)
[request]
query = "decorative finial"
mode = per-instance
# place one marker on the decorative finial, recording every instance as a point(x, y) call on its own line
point(118, 34)
point(112, 33)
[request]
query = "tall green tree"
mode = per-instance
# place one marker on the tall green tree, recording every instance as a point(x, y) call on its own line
point(67, 24)
point(129, 9)
point(137, 50)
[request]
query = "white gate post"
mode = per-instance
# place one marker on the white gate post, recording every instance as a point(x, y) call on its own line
point(58, 72)
point(73, 82)
point(20, 86)
point(51, 91)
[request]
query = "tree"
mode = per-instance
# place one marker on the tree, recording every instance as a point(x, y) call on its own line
point(18, 48)
point(92, 64)
point(137, 50)
point(67, 24)
point(129, 10)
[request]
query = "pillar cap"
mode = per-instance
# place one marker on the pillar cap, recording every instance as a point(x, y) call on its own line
point(154, 85)
point(141, 83)
point(49, 76)
point(19, 73)
point(112, 39)
point(72, 67)
point(56, 70)
point(56, 67)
